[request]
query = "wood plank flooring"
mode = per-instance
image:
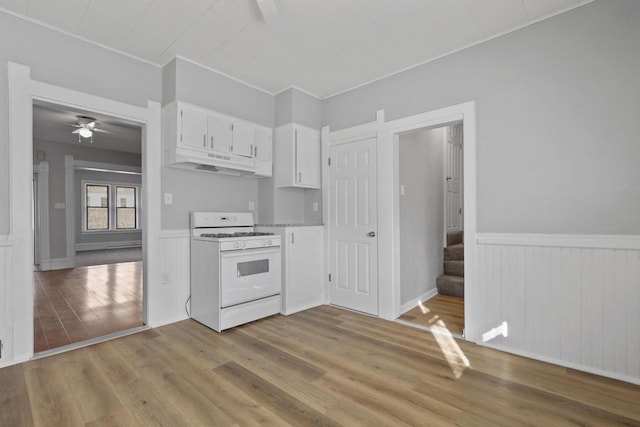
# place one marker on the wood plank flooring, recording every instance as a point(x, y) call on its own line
point(323, 367)
point(77, 304)
point(441, 311)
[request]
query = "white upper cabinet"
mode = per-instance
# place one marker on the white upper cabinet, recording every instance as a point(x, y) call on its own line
point(297, 156)
point(198, 136)
point(192, 128)
point(242, 140)
point(220, 134)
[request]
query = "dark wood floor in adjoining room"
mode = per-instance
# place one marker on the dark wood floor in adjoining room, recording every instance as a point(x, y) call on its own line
point(442, 311)
point(77, 304)
point(324, 366)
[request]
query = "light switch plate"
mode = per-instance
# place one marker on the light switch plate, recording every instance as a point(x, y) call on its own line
point(402, 189)
point(251, 205)
point(315, 206)
point(168, 198)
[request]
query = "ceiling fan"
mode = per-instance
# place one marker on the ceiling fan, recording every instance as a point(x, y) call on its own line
point(86, 127)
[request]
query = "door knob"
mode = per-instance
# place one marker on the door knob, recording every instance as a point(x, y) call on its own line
point(371, 234)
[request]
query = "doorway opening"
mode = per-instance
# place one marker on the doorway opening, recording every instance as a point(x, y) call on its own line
point(90, 283)
point(431, 226)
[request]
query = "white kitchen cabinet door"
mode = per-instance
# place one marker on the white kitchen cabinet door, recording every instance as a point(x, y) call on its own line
point(297, 156)
point(304, 269)
point(263, 151)
point(219, 132)
point(243, 137)
point(307, 148)
point(193, 128)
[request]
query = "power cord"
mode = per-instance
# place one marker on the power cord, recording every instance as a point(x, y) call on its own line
point(186, 304)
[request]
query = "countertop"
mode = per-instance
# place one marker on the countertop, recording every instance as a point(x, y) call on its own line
point(290, 225)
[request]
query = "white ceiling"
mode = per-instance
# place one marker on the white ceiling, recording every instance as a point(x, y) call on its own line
point(54, 123)
point(322, 47)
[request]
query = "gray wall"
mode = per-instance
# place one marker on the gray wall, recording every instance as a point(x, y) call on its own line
point(65, 61)
point(557, 127)
point(421, 212)
point(54, 154)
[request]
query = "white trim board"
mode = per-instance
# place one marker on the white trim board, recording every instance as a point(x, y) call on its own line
point(595, 241)
point(409, 305)
point(390, 197)
point(106, 167)
point(96, 246)
point(57, 264)
point(22, 91)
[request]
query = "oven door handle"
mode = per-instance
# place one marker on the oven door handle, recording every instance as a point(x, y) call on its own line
point(245, 252)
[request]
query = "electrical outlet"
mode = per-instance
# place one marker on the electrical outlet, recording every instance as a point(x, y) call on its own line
point(165, 278)
point(315, 206)
point(168, 198)
point(402, 189)
point(252, 205)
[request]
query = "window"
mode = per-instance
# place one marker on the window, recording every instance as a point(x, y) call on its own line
point(126, 208)
point(110, 206)
point(97, 207)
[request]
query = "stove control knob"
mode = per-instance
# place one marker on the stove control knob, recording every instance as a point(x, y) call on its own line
point(264, 243)
point(269, 242)
point(236, 245)
point(243, 244)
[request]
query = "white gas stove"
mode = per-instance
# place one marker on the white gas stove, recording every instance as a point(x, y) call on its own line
point(235, 271)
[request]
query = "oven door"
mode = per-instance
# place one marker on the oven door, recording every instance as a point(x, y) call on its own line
point(250, 274)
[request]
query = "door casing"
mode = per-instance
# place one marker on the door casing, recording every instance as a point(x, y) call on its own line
point(388, 201)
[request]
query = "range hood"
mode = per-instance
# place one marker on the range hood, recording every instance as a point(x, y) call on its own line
point(227, 164)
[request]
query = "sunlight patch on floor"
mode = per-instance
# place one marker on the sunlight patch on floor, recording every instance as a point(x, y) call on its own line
point(457, 360)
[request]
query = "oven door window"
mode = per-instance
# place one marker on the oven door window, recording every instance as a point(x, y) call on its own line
point(250, 268)
point(249, 275)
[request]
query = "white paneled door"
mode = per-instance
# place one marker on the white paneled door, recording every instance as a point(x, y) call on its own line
point(353, 226)
point(453, 210)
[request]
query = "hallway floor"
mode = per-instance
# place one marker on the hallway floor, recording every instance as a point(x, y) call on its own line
point(77, 304)
point(441, 311)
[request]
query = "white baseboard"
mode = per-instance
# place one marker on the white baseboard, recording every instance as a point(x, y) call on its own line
point(412, 303)
point(306, 306)
point(14, 361)
point(57, 264)
point(164, 322)
point(97, 246)
point(559, 362)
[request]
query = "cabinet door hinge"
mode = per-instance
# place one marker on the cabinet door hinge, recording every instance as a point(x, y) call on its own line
point(329, 276)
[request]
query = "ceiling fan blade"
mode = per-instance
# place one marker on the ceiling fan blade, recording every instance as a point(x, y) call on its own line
point(268, 9)
point(76, 131)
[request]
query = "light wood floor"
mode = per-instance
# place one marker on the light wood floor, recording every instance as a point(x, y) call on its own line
point(77, 304)
point(325, 366)
point(441, 311)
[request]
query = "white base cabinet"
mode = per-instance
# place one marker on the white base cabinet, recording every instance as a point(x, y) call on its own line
point(302, 266)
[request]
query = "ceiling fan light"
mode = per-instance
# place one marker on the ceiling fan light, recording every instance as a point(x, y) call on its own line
point(85, 132)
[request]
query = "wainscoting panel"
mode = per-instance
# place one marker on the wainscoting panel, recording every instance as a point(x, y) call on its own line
point(6, 300)
point(168, 304)
point(571, 300)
